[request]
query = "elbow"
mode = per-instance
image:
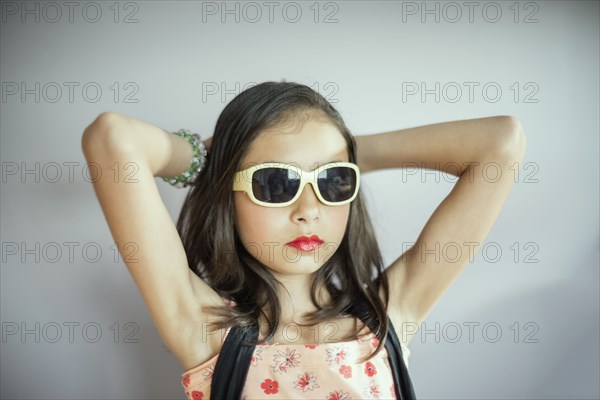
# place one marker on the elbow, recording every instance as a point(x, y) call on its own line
point(511, 143)
point(98, 136)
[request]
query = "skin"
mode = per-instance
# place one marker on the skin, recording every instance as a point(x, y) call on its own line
point(264, 231)
point(176, 297)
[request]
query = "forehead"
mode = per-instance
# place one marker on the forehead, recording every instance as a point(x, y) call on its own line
point(307, 145)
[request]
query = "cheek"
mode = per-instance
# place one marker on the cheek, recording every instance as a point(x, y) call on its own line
point(250, 219)
point(340, 218)
point(339, 215)
point(243, 215)
point(343, 214)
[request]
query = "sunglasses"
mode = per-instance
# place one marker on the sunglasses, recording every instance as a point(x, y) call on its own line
point(279, 185)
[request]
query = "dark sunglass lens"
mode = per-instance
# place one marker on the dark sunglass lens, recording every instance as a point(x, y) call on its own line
point(275, 185)
point(337, 183)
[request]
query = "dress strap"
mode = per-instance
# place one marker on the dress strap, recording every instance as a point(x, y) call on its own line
point(231, 368)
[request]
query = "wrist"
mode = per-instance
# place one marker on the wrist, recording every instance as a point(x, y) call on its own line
point(198, 161)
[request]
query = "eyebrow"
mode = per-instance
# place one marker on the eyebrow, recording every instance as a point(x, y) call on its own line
point(318, 165)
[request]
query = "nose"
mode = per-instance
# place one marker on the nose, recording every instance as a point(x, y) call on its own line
point(307, 207)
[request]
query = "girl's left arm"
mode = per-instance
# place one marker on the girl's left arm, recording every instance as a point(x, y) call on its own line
point(473, 150)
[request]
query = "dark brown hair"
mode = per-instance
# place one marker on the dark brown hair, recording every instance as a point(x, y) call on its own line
point(214, 250)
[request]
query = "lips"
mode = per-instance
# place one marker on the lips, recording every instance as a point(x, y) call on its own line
point(305, 243)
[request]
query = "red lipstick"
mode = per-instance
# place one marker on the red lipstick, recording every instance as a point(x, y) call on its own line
point(305, 243)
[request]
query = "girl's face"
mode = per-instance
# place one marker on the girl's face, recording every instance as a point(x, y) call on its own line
point(266, 231)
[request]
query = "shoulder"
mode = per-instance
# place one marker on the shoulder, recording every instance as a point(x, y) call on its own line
point(201, 341)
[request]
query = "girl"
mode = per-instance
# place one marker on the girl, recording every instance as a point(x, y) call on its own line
point(275, 234)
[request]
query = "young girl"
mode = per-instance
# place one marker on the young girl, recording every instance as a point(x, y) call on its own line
point(275, 234)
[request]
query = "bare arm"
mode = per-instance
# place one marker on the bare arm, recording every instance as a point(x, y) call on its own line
point(139, 220)
point(442, 146)
point(418, 279)
point(166, 154)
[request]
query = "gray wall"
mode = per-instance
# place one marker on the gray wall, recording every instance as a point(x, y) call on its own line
point(74, 325)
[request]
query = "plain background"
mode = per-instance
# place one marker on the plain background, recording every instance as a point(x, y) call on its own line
point(74, 325)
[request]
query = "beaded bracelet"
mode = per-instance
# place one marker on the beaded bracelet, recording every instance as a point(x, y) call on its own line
point(198, 160)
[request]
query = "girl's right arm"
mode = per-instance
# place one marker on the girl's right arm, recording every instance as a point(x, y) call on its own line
point(126, 155)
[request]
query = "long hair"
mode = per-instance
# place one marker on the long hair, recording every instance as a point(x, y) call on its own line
point(213, 247)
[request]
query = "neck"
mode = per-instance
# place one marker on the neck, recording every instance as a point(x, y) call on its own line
point(295, 300)
point(298, 302)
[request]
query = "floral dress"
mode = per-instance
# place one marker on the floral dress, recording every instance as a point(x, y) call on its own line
point(331, 371)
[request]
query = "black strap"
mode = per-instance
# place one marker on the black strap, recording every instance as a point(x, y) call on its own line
point(229, 374)
point(401, 377)
point(233, 363)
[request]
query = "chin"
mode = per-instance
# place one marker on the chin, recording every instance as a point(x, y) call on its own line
point(302, 267)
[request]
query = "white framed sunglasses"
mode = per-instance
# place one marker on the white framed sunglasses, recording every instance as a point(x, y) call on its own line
point(280, 184)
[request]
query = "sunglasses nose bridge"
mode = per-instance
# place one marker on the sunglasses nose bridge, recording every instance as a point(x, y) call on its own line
point(308, 184)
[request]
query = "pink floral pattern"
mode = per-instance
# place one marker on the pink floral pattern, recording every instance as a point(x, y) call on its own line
point(337, 355)
point(346, 371)
point(306, 381)
point(197, 395)
point(269, 386)
point(331, 371)
point(185, 381)
point(282, 361)
point(208, 374)
point(375, 341)
point(372, 391)
point(256, 356)
point(338, 395)
point(370, 369)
